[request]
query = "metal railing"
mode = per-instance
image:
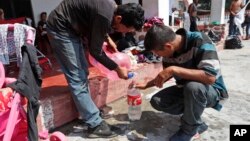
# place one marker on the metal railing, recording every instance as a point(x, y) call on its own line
point(206, 19)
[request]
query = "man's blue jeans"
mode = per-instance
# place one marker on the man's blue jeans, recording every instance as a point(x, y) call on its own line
point(189, 100)
point(69, 52)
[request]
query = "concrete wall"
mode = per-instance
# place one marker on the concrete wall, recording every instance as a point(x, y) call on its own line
point(39, 6)
point(217, 11)
point(158, 8)
point(129, 1)
point(151, 8)
point(163, 10)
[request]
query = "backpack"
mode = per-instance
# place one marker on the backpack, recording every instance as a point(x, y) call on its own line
point(233, 42)
point(213, 36)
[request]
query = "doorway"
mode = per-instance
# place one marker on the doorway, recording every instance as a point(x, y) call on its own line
point(16, 8)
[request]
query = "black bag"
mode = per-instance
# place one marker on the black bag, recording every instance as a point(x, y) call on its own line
point(214, 37)
point(233, 42)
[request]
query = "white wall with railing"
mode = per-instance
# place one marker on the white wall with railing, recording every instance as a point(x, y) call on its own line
point(206, 19)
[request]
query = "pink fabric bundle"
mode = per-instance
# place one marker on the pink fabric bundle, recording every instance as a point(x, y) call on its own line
point(153, 21)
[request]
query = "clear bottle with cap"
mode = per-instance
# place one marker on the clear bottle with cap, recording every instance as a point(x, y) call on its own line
point(134, 100)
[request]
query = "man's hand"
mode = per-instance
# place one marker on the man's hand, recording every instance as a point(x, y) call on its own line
point(148, 82)
point(111, 45)
point(112, 48)
point(122, 72)
point(163, 76)
point(141, 85)
point(233, 13)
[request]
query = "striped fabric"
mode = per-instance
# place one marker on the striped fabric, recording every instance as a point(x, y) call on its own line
point(198, 53)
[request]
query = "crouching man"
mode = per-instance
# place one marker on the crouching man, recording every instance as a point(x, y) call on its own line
point(192, 60)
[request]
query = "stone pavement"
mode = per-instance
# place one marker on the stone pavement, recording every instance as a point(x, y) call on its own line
point(158, 126)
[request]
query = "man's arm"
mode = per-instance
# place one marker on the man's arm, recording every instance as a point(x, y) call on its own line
point(111, 43)
point(183, 73)
point(99, 31)
point(194, 75)
point(145, 85)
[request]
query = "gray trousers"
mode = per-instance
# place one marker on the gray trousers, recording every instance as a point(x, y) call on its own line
point(189, 100)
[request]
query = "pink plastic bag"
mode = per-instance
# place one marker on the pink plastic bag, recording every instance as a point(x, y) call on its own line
point(120, 58)
point(2, 75)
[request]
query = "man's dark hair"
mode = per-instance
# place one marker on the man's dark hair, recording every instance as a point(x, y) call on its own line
point(157, 36)
point(43, 13)
point(132, 15)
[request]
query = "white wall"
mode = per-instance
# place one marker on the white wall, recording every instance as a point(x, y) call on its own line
point(150, 7)
point(189, 1)
point(129, 1)
point(39, 6)
point(158, 8)
point(163, 6)
point(217, 11)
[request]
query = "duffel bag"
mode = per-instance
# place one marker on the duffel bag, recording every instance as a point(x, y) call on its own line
point(233, 42)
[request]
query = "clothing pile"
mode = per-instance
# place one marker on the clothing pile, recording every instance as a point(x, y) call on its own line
point(139, 55)
point(135, 48)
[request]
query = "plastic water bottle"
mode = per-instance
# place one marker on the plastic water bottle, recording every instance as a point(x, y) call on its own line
point(134, 104)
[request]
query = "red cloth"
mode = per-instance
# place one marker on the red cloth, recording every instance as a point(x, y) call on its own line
point(44, 64)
